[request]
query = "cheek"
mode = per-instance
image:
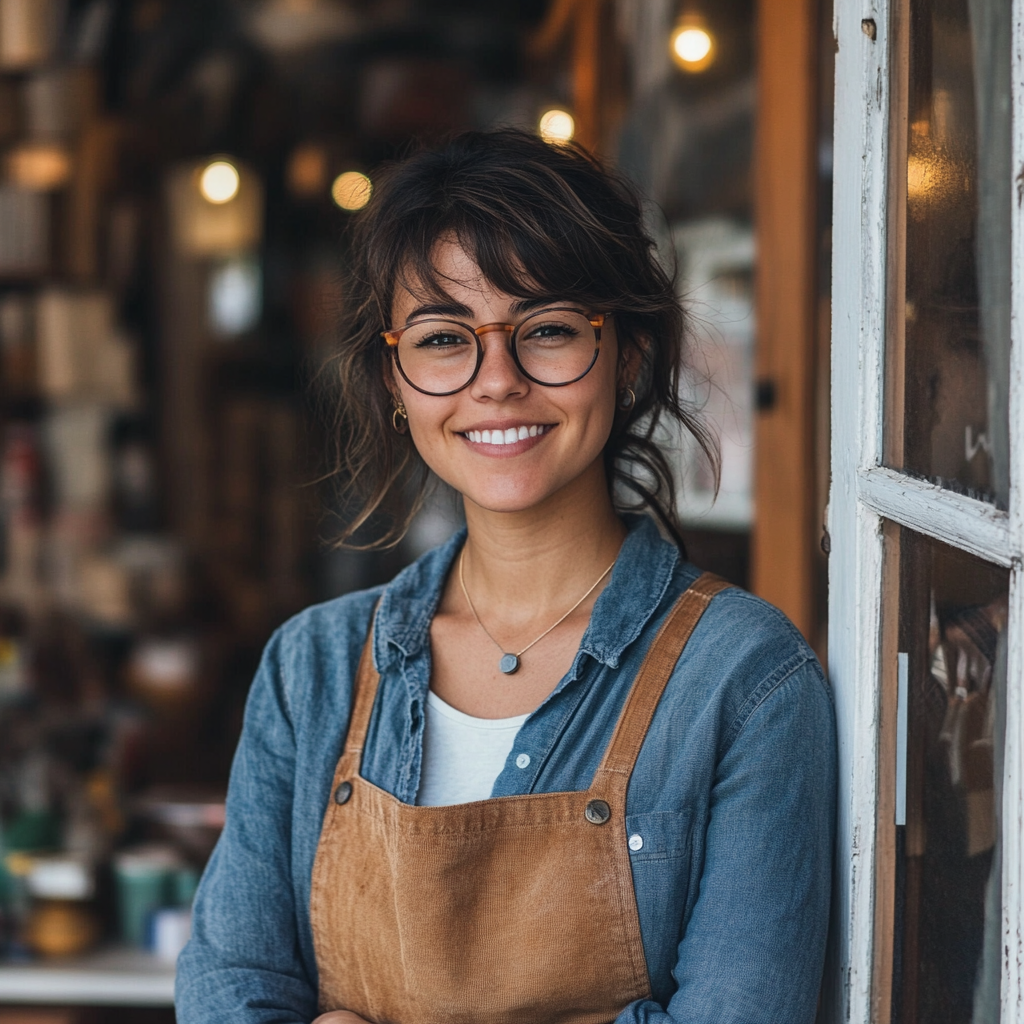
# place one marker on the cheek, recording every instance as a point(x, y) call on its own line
point(427, 417)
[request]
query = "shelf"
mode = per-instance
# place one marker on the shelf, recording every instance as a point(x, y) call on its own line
point(109, 977)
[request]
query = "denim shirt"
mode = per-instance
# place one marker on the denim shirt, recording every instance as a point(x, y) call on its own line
point(733, 792)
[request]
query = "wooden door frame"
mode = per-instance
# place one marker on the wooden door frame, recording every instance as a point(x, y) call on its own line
point(787, 523)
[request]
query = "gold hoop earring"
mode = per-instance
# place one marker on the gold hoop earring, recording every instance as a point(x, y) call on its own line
point(627, 399)
point(400, 419)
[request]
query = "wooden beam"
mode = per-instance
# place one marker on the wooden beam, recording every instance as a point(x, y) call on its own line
point(787, 526)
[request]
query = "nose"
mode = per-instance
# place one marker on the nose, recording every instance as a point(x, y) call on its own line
point(499, 377)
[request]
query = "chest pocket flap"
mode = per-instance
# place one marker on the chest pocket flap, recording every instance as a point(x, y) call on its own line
point(658, 835)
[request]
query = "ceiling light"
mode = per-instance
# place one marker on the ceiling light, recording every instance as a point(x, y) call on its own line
point(556, 125)
point(219, 182)
point(692, 44)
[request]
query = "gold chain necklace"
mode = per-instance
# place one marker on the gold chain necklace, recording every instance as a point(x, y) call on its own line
point(509, 662)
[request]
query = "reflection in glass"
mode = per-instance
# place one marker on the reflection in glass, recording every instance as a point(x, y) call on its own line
point(953, 370)
point(952, 625)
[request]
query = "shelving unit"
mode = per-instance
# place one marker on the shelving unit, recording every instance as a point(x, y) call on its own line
point(110, 977)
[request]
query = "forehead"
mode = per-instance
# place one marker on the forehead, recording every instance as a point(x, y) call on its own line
point(456, 280)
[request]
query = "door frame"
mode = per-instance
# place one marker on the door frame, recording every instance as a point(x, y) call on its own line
point(864, 494)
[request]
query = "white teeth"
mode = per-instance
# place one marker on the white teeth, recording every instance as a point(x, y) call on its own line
point(502, 437)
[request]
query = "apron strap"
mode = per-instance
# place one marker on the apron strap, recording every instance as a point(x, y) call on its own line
point(364, 694)
point(654, 674)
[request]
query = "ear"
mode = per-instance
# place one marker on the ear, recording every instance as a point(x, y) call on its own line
point(391, 382)
point(631, 357)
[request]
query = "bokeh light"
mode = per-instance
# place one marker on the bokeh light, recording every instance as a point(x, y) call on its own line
point(39, 166)
point(306, 173)
point(219, 182)
point(693, 46)
point(556, 125)
point(351, 190)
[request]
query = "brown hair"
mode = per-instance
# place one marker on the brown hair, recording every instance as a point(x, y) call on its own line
point(541, 221)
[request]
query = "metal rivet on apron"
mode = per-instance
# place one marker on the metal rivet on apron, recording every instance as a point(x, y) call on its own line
point(342, 793)
point(597, 812)
point(523, 761)
point(636, 842)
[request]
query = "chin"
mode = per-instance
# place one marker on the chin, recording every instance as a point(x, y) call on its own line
point(507, 496)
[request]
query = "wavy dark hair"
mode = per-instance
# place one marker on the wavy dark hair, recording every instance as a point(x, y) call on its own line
point(542, 221)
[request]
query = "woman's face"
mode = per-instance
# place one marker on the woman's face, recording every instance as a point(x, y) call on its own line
point(572, 422)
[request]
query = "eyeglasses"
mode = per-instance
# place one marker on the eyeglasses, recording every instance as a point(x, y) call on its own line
point(554, 347)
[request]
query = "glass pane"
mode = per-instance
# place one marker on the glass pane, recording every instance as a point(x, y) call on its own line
point(950, 330)
point(948, 918)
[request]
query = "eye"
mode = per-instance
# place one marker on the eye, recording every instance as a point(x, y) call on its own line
point(441, 339)
point(552, 330)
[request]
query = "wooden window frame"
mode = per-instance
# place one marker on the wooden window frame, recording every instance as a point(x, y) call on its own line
point(865, 496)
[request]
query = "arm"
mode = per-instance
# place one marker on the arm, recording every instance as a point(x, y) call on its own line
point(243, 963)
point(753, 949)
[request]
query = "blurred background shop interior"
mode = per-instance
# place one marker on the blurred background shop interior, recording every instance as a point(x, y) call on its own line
point(177, 178)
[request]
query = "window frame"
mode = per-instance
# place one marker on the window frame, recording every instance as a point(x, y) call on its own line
point(864, 494)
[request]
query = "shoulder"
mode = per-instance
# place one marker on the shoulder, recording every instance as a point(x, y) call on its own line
point(314, 655)
point(311, 659)
point(326, 629)
point(745, 650)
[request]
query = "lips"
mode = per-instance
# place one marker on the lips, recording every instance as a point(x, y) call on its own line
point(508, 435)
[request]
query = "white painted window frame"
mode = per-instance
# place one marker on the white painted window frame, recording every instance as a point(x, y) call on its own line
point(863, 493)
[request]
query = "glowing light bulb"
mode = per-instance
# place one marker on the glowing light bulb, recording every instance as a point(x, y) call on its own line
point(219, 182)
point(693, 46)
point(351, 190)
point(556, 125)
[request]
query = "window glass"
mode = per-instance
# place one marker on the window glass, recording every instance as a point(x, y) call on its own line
point(949, 331)
point(952, 682)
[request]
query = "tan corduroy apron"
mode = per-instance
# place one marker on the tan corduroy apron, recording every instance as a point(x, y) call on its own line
point(514, 910)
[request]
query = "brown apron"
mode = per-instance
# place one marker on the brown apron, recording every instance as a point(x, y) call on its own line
point(503, 911)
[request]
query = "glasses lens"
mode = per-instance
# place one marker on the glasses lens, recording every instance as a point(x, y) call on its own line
point(556, 346)
point(437, 356)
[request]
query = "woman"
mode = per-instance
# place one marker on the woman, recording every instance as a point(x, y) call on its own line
point(550, 772)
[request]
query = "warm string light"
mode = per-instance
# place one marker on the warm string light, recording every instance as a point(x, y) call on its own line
point(351, 190)
point(692, 44)
point(556, 125)
point(219, 182)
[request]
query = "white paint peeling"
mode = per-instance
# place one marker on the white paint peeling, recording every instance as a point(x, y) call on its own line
point(864, 493)
point(944, 515)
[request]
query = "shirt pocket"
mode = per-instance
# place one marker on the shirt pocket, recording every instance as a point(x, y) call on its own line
point(658, 835)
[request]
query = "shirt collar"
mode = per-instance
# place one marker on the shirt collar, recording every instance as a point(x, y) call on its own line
point(638, 583)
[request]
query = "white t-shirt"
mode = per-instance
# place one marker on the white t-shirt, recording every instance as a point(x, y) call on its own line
point(462, 755)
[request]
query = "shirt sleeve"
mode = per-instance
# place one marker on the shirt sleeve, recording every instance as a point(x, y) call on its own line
point(753, 949)
point(243, 963)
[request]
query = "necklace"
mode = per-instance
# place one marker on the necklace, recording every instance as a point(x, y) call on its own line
point(509, 663)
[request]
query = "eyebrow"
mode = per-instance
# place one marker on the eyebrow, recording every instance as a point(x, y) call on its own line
point(515, 309)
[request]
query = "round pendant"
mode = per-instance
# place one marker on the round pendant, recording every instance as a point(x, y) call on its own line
point(509, 664)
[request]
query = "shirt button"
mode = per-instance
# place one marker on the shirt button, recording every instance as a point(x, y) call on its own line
point(636, 842)
point(523, 761)
point(343, 793)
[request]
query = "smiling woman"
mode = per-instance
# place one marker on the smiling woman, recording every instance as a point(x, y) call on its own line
point(547, 227)
point(579, 780)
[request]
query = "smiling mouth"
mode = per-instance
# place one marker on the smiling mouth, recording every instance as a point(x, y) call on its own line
point(511, 435)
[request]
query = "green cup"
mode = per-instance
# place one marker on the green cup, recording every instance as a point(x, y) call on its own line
point(144, 881)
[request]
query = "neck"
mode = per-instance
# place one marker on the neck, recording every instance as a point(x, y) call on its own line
point(536, 562)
